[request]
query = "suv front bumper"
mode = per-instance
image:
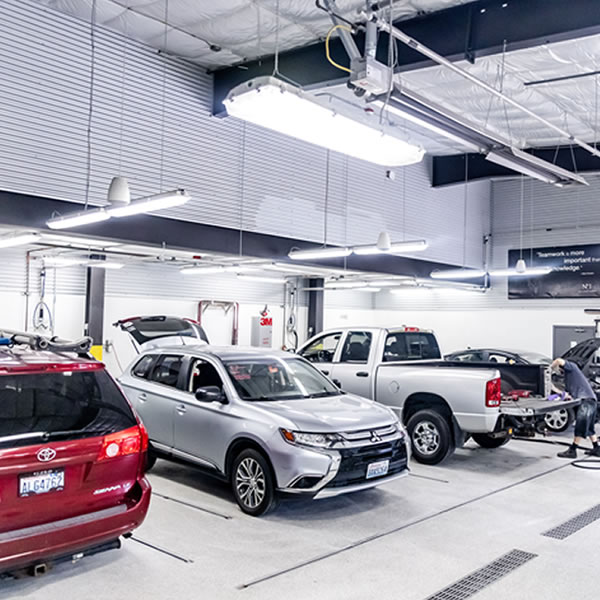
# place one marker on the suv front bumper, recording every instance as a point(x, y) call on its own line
point(346, 468)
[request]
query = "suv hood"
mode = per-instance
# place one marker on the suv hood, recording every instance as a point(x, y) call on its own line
point(345, 412)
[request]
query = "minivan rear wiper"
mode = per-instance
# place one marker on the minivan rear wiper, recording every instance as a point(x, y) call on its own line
point(52, 435)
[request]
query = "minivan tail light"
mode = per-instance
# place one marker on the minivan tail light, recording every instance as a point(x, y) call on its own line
point(123, 443)
point(493, 393)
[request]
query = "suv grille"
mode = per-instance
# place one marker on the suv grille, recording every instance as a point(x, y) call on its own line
point(355, 461)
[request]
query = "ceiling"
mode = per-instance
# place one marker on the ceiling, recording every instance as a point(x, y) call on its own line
point(247, 29)
point(242, 29)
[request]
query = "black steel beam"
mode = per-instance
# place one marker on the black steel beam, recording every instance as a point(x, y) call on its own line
point(22, 210)
point(448, 170)
point(316, 307)
point(467, 31)
point(94, 308)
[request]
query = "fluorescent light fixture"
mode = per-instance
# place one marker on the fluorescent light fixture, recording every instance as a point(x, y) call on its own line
point(149, 204)
point(388, 282)
point(528, 164)
point(368, 289)
point(458, 274)
point(87, 217)
point(261, 278)
point(64, 261)
point(439, 129)
point(395, 248)
point(317, 253)
point(212, 270)
point(18, 239)
point(285, 108)
point(345, 285)
point(104, 264)
point(80, 242)
point(529, 272)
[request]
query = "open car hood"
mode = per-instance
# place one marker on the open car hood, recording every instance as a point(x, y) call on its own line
point(582, 353)
point(160, 330)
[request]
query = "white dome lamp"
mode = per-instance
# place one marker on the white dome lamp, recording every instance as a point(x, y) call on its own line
point(521, 267)
point(384, 243)
point(118, 192)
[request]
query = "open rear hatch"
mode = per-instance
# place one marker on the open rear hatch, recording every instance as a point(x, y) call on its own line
point(583, 353)
point(160, 330)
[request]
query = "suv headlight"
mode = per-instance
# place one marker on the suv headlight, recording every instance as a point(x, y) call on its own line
point(313, 440)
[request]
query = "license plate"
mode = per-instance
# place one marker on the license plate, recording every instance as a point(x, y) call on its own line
point(377, 469)
point(42, 482)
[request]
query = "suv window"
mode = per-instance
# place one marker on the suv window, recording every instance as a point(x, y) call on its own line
point(64, 406)
point(203, 374)
point(469, 357)
point(501, 358)
point(410, 346)
point(167, 370)
point(357, 347)
point(323, 348)
point(142, 367)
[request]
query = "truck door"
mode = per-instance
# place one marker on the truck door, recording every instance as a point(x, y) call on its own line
point(353, 369)
point(321, 351)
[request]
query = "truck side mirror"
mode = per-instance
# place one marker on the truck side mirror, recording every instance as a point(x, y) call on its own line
point(211, 393)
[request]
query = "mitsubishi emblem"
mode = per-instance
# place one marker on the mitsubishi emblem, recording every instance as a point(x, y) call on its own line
point(46, 454)
point(375, 437)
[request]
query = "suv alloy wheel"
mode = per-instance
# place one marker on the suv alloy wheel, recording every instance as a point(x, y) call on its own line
point(252, 483)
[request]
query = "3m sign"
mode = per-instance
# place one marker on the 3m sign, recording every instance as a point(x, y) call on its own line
point(262, 332)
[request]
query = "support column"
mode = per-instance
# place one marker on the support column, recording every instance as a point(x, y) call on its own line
point(315, 306)
point(94, 309)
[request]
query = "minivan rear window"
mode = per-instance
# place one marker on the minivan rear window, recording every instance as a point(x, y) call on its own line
point(60, 406)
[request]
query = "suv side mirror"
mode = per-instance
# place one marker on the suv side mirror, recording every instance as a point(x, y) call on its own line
point(211, 393)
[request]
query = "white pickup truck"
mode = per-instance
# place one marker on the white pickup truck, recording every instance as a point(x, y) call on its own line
point(442, 403)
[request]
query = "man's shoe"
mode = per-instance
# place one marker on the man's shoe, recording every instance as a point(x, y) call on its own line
point(568, 453)
point(594, 451)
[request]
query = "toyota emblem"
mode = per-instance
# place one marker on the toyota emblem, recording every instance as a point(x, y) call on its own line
point(46, 454)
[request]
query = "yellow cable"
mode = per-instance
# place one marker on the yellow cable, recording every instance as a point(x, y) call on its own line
point(327, 47)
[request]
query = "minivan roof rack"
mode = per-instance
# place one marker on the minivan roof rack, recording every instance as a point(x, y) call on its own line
point(35, 341)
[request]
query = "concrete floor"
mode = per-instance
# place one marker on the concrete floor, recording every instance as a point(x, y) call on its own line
point(406, 540)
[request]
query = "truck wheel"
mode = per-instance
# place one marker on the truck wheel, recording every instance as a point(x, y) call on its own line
point(558, 421)
point(430, 437)
point(485, 440)
point(252, 483)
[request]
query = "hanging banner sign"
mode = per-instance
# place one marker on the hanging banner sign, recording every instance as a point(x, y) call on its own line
point(575, 274)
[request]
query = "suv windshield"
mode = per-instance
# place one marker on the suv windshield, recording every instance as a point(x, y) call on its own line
point(39, 407)
point(270, 378)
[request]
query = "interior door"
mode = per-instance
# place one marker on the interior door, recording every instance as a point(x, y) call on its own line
point(202, 428)
point(352, 369)
point(565, 337)
point(322, 351)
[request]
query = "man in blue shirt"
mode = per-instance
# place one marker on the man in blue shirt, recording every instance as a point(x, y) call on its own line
point(577, 386)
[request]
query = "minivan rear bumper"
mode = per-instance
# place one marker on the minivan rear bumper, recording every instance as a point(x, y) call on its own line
point(22, 548)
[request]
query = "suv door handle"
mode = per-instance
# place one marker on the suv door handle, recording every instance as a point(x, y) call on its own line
point(362, 374)
point(181, 409)
point(142, 397)
point(324, 372)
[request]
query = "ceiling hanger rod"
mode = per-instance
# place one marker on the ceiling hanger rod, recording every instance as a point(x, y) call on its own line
point(434, 56)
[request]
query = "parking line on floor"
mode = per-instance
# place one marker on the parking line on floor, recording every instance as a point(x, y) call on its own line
point(195, 506)
point(162, 550)
point(573, 525)
point(429, 478)
point(384, 534)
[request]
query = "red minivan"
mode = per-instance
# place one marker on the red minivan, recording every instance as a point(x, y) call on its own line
point(72, 459)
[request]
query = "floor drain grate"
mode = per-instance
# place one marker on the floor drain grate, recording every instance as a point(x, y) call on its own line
point(476, 581)
point(574, 525)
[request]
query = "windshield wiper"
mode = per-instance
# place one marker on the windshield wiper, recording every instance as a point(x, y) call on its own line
point(324, 394)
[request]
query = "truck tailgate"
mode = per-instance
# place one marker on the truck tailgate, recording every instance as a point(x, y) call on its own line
point(530, 407)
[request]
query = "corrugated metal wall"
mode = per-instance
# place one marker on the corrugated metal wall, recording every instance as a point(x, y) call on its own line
point(237, 175)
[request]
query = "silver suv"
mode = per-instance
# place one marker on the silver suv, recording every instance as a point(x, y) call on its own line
point(268, 422)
